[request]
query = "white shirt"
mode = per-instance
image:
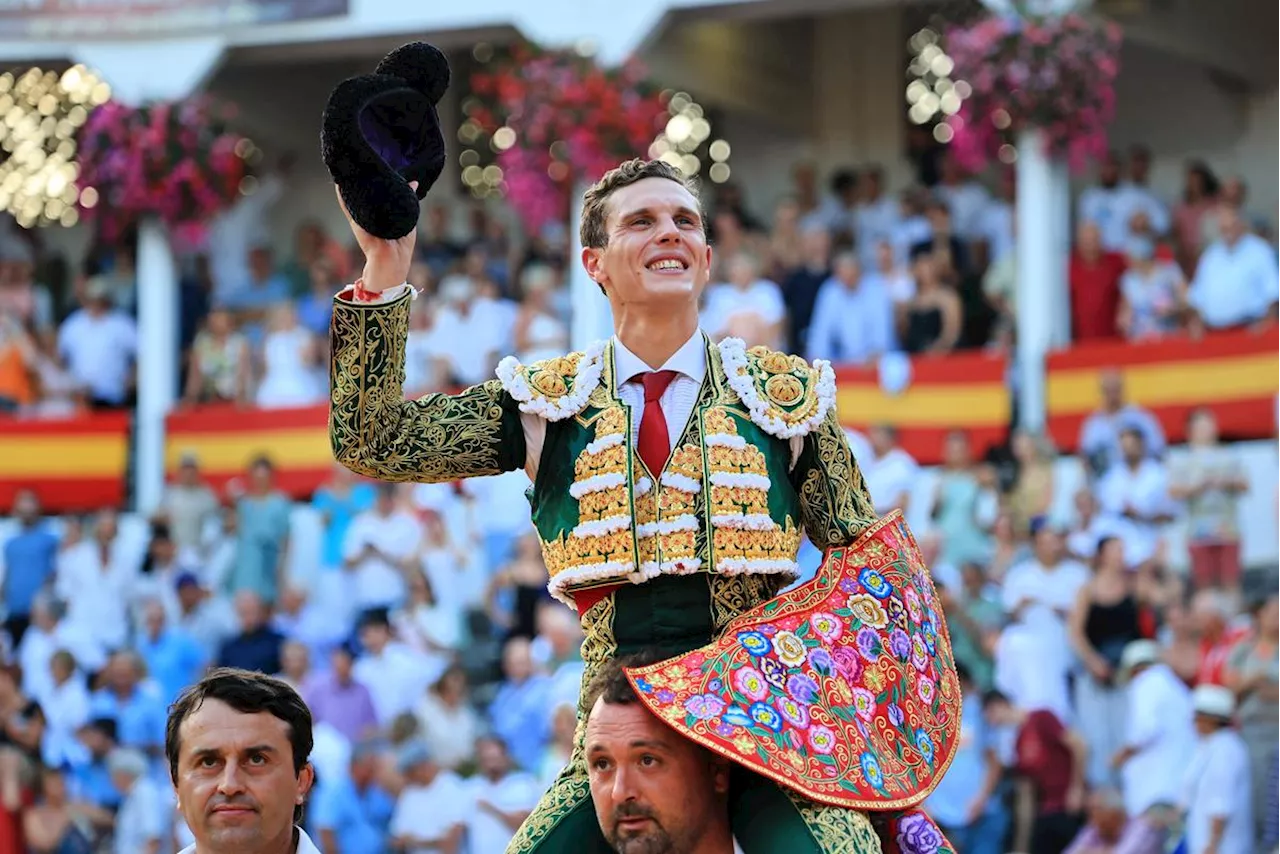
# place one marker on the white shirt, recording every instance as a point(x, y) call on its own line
point(395, 680)
point(967, 201)
point(97, 597)
point(305, 845)
point(851, 324)
point(99, 351)
point(725, 302)
point(428, 812)
point(1102, 207)
point(470, 341)
point(1146, 490)
point(889, 477)
point(1158, 724)
point(1235, 284)
point(142, 817)
point(378, 583)
point(66, 709)
point(877, 222)
point(1218, 786)
point(1051, 591)
point(516, 792)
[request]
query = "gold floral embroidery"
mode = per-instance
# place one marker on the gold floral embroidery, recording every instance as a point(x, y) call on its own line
point(836, 830)
point(375, 432)
point(834, 502)
point(783, 389)
point(733, 595)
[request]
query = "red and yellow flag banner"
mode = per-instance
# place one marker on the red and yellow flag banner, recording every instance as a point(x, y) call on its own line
point(1232, 373)
point(226, 440)
point(74, 465)
point(961, 391)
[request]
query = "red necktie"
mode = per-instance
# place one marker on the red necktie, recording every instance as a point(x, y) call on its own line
point(654, 444)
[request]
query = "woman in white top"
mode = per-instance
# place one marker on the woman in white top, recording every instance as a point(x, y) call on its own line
point(289, 361)
point(539, 334)
point(1152, 294)
point(449, 724)
point(746, 307)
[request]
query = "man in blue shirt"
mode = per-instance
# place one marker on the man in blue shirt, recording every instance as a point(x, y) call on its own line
point(28, 564)
point(352, 812)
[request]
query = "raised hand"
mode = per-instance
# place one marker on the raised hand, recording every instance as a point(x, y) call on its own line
point(386, 262)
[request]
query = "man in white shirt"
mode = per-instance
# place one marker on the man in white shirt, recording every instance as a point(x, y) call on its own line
point(141, 822)
point(1157, 734)
point(853, 319)
point(1217, 800)
point(99, 344)
point(393, 673)
point(432, 810)
point(1100, 204)
point(1134, 496)
point(1237, 280)
point(889, 471)
point(501, 798)
point(378, 552)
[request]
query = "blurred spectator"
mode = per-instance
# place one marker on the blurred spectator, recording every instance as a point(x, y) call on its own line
point(206, 617)
point(966, 202)
point(1103, 621)
point(800, 287)
point(1211, 615)
point(100, 345)
point(312, 246)
point(156, 578)
point(524, 581)
point(564, 721)
point(435, 245)
point(22, 725)
point(967, 803)
point(1135, 199)
point(95, 578)
point(1051, 757)
point(1151, 294)
point(18, 358)
point(853, 319)
point(540, 332)
point(315, 306)
point(1110, 831)
point(1030, 495)
point(448, 721)
point(432, 630)
point(188, 505)
point(262, 535)
point(352, 812)
point(171, 656)
point(54, 824)
point(264, 289)
point(65, 705)
point(1253, 674)
point(142, 824)
point(520, 712)
point(257, 646)
point(1216, 801)
point(136, 706)
point(786, 252)
point(295, 664)
point(1210, 481)
point(1100, 433)
point(1134, 494)
point(502, 796)
point(876, 216)
point(432, 809)
point(290, 364)
point(220, 367)
point(336, 698)
point(29, 562)
point(963, 509)
point(974, 617)
point(1155, 735)
point(391, 671)
point(22, 298)
point(49, 632)
point(233, 231)
point(1237, 282)
point(745, 306)
point(471, 331)
point(890, 472)
point(1199, 198)
point(931, 319)
point(1094, 282)
point(1100, 205)
point(377, 552)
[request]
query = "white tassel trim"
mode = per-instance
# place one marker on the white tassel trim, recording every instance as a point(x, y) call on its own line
point(606, 441)
point(733, 354)
point(652, 569)
point(599, 527)
point(596, 483)
point(683, 522)
point(642, 487)
point(758, 566)
point(743, 480)
point(726, 440)
point(615, 570)
point(743, 522)
point(585, 379)
point(682, 482)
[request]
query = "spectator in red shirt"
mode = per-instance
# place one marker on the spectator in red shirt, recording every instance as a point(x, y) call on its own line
point(1094, 280)
point(1052, 759)
point(1212, 614)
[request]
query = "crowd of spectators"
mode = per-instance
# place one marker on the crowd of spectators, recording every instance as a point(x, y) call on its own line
point(444, 681)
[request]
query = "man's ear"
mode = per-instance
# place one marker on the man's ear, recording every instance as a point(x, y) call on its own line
point(720, 775)
point(593, 263)
point(707, 271)
point(306, 779)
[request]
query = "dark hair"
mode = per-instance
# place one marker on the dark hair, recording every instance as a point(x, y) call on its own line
point(610, 682)
point(595, 201)
point(993, 697)
point(248, 692)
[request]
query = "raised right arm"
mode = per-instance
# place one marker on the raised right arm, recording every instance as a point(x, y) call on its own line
point(375, 432)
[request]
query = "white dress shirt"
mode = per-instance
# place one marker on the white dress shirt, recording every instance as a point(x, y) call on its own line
point(305, 845)
point(1235, 284)
point(1217, 786)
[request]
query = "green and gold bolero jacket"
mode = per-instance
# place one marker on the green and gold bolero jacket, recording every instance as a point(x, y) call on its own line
point(761, 458)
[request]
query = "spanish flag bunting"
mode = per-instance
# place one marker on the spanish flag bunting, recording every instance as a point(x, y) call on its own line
point(75, 465)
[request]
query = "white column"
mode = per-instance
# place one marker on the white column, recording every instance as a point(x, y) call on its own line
point(1037, 260)
point(158, 308)
point(592, 319)
point(1060, 334)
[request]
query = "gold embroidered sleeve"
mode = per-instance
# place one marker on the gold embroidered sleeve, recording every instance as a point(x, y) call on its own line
point(375, 432)
point(834, 502)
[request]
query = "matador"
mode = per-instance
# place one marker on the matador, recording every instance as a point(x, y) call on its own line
point(672, 479)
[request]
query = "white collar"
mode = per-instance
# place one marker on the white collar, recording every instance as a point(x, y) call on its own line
point(690, 360)
point(305, 845)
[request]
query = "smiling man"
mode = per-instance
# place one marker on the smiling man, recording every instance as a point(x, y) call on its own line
point(673, 478)
point(238, 744)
